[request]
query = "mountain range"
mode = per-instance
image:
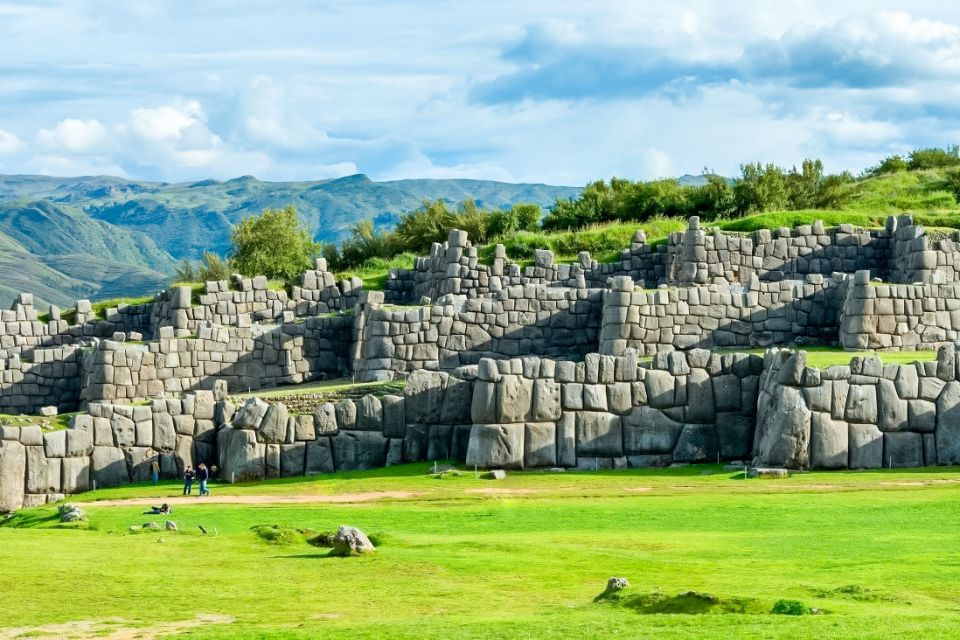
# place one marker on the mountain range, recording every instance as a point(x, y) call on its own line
point(101, 237)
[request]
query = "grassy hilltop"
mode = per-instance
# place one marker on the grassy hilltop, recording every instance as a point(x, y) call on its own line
point(871, 552)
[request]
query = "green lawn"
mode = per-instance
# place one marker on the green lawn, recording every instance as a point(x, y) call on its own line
point(823, 357)
point(875, 552)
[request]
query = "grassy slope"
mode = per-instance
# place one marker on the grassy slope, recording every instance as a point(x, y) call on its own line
point(456, 563)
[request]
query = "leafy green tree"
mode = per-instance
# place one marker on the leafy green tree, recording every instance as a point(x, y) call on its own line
point(890, 164)
point(760, 188)
point(598, 202)
point(275, 244)
point(803, 187)
point(418, 229)
point(714, 199)
point(523, 216)
point(645, 200)
point(952, 176)
point(934, 158)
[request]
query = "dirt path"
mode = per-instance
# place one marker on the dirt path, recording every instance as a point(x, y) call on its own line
point(109, 629)
point(340, 498)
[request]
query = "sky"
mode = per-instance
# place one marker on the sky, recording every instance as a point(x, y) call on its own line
point(550, 91)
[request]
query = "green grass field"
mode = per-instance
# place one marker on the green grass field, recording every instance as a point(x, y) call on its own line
point(459, 557)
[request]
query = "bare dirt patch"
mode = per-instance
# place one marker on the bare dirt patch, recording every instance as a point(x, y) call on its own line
point(111, 629)
point(310, 498)
point(502, 491)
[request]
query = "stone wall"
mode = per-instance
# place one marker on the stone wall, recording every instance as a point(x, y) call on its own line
point(899, 316)
point(719, 315)
point(919, 259)
point(517, 320)
point(607, 412)
point(52, 378)
point(111, 445)
point(862, 415)
point(430, 421)
point(253, 357)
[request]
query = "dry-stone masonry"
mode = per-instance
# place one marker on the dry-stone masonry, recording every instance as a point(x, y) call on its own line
point(582, 365)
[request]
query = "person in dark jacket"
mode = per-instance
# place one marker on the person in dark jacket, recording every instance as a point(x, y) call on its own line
point(188, 481)
point(203, 475)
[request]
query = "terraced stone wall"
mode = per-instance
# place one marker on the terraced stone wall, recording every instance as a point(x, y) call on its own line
point(518, 320)
point(606, 412)
point(255, 357)
point(108, 446)
point(716, 315)
point(899, 316)
point(859, 416)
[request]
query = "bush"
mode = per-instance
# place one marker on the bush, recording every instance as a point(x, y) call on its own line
point(790, 608)
point(274, 244)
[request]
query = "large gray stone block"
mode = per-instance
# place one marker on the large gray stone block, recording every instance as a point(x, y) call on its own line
point(496, 445)
point(242, 458)
point(43, 473)
point(697, 443)
point(394, 421)
point(109, 467)
point(13, 468)
point(514, 399)
point(319, 457)
point(649, 431)
point(540, 444)
point(75, 475)
point(369, 414)
point(546, 401)
point(866, 446)
point(292, 459)
point(829, 442)
point(355, 450)
point(948, 424)
point(599, 434)
point(902, 449)
point(700, 403)
point(891, 409)
point(273, 427)
point(164, 432)
point(861, 405)
point(325, 419)
point(783, 431)
point(734, 435)
point(483, 406)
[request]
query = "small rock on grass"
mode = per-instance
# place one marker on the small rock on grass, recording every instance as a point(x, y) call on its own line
point(350, 541)
point(495, 474)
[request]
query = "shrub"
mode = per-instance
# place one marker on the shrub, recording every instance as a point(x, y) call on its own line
point(274, 244)
point(789, 608)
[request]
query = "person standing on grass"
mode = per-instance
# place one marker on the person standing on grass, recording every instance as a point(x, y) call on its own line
point(203, 475)
point(155, 469)
point(188, 481)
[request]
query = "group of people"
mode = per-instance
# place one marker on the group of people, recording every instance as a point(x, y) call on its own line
point(201, 475)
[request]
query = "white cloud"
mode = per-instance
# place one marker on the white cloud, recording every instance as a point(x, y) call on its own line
point(75, 135)
point(9, 143)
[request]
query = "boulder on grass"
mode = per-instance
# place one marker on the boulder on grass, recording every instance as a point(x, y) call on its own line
point(350, 541)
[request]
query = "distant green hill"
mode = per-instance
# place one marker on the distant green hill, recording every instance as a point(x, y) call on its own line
point(102, 237)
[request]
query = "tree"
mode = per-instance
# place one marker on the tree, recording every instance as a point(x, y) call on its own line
point(760, 188)
point(934, 158)
point(213, 267)
point(275, 244)
point(185, 272)
point(418, 229)
point(890, 164)
point(804, 186)
point(523, 216)
point(714, 199)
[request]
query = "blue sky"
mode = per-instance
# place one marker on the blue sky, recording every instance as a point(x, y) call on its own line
point(538, 90)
